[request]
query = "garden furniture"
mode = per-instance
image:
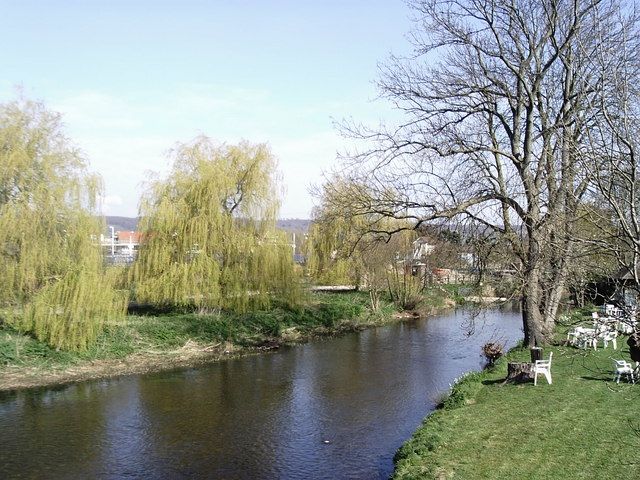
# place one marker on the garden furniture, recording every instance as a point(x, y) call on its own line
point(623, 368)
point(542, 367)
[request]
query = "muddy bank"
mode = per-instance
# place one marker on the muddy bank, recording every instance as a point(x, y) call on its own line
point(16, 377)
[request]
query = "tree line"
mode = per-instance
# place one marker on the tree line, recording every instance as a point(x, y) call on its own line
point(209, 233)
point(519, 119)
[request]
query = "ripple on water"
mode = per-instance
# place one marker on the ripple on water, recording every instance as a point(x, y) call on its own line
point(256, 417)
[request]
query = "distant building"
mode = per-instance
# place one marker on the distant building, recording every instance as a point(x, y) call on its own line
point(121, 247)
point(416, 261)
point(128, 237)
point(422, 248)
point(424, 262)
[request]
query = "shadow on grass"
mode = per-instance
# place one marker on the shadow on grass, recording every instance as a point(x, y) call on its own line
point(493, 382)
point(598, 379)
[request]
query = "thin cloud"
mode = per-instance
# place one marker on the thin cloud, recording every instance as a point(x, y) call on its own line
point(126, 137)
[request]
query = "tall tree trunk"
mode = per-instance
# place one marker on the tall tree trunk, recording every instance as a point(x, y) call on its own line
point(553, 299)
point(525, 318)
point(532, 301)
point(532, 321)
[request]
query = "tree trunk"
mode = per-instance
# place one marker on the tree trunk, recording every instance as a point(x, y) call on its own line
point(532, 321)
point(532, 298)
point(553, 303)
point(559, 266)
point(634, 347)
point(525, 320)
point(540, 302)
point(374, 296)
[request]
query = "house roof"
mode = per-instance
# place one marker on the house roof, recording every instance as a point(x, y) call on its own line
point(124, 236)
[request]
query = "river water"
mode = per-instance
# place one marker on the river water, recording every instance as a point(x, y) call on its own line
point(333, 409)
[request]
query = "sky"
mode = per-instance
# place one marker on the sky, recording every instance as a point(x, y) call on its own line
point(132, 78)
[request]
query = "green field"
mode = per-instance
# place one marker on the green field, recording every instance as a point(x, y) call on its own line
point(582, 426)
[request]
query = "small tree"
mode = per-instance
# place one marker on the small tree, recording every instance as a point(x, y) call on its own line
point(209, 235)
point(53, 282)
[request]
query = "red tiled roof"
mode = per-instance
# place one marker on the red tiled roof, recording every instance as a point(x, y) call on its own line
point(124, 236)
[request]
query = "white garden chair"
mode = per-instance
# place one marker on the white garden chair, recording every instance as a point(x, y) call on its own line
point(573, 337)
point(542, 367)
point(623, 368)
point(609, 336)
point(586, 337)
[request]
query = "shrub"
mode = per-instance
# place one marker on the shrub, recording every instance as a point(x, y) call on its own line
point(493, 351)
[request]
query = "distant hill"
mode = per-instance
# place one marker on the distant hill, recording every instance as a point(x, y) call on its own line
point(297, 225)
point(122, 223)
point(294, 224)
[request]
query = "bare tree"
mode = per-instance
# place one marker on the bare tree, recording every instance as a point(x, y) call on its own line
point(613, 161)
point(613, 157)
point(496, 101)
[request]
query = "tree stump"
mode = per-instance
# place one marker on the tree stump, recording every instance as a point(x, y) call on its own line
point(519, 372)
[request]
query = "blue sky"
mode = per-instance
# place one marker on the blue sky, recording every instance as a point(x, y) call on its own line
point(132, 78)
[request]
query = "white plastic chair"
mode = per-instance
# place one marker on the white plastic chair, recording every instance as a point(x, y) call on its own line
point(609, 336)
point(623, 368)
point(586, 337)
point(573, 337)
point(542, 367)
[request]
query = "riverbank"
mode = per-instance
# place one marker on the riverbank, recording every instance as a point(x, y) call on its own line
point(582, 426)
point(144, 344)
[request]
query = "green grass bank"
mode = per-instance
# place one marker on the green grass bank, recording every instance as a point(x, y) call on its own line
point(583, 426)
point(145, 343)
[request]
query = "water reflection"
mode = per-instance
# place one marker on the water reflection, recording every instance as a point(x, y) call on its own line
point(267, 416)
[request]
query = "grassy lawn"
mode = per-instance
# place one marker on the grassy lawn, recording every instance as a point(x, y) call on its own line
point(581, 426)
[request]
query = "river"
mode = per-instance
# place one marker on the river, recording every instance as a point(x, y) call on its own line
point(331, 409)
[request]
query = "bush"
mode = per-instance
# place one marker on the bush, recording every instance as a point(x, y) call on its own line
point(493, 351)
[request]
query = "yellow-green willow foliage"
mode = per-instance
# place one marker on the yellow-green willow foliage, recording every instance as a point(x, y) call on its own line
point(334, 255)
point(209, 231)
point(330, 260)
point(53, 282)
point(349, 244)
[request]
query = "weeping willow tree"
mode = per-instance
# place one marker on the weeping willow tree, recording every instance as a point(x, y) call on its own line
point(332, 254)
point(209, 231)
point(329, 261)
point(53, 282)
point(359, 250)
